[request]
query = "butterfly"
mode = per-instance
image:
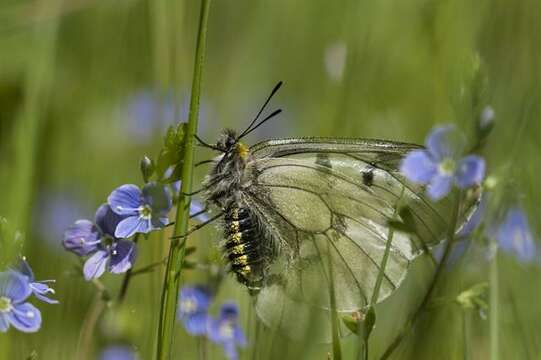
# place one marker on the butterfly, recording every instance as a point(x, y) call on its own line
point(306, 221)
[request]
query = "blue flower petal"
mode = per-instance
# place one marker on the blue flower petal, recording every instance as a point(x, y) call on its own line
point(470, 171)
point(194, 299)
point(440, 186)
point(4, 322)
point(118, 352)
point(195, 207)
point(417, 166)
point(196, 324)
point(40, 290)
point(239, 336)
point(131, 225)
point(158, 197)
point(82, 238)
point(229, 311)
point(123, 255)
point(514, 235)
point(230, 350)
point(14, 286)
point(107, 220)
point(441, 142)
point(95, 266)
point(25, 317)
point(125, 200)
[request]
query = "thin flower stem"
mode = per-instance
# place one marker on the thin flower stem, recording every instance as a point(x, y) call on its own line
point(363, 350)
point(84, 344)
point(494, 304)
point(336, 349)
point(203, 347)
point(432, 286)
point(171, 284)
point(127, 278)
point(466, 333)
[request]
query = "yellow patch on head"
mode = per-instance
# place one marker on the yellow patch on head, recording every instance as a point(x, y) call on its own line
point(243, 150)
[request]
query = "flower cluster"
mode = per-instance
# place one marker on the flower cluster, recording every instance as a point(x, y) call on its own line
point(16, 286)
point(224, 330)
point(129, 210)
point(440, 166)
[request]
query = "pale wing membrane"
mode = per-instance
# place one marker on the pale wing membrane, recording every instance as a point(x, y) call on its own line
point(331, 218)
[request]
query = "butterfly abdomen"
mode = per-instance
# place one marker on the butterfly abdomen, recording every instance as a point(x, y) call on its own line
point(242, 247)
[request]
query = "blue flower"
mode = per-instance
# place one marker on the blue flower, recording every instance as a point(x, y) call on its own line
point(440, 165)
point(39, 288)
point(142, 211)
point(14, 311)
point(514, 235)
point(226, 331)
point(84, 237)
point(118, 352)
point(193, 309)
point(98, 241)
point(117, 257)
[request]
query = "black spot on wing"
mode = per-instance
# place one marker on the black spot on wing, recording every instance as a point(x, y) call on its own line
point(368, 175)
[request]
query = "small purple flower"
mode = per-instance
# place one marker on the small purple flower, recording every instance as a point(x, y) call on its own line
point(142, 211)
point(98, 241)
point(39, 288)
point(440, 165)
point(117, 258)
point(14, 311)
point(118, 352)
point(514, 235)
point(226, 331)
point(193, 309)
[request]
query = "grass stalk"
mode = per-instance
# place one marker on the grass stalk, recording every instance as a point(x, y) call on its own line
point(171, 284)
point(494, 304)
point(432, 286)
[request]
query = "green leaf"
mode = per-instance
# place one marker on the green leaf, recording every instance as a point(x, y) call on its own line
point(172, 153)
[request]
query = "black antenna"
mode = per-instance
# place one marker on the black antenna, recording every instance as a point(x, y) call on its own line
point(205, 144)
point(273, 114)
point(276, 87)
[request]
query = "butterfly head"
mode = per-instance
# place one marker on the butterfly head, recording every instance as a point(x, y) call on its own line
point(229, 143)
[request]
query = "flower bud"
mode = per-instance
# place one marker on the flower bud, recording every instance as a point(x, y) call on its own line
point(147, 168)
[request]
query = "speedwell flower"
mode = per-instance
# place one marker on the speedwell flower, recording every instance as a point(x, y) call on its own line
point(14, 310)
point(142, 211)
point(39, 288)
point(193, 309)
point(440, 165)
point(514, 235)
point(108, 252)
point(226, 331)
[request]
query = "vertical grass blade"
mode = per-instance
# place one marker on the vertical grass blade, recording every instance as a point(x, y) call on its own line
point(171, 285)
point(494, 304)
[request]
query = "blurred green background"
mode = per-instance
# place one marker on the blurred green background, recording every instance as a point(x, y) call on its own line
point(88, 87)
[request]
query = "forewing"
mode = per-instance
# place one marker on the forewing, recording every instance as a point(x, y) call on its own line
point(329, 204)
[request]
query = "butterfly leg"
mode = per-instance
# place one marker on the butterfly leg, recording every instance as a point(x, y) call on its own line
point(198, 226)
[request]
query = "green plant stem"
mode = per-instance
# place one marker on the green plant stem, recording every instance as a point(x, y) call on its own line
point(336, 349)
point(494, 305)
point(435, 279)
point(171, 284)
point(466, 333)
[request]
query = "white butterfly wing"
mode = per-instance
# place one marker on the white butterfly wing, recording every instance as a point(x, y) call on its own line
point(327, 204)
